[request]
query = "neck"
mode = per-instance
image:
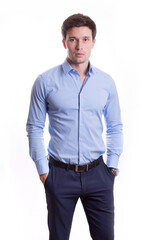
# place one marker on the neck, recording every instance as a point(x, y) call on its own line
point(81, 68)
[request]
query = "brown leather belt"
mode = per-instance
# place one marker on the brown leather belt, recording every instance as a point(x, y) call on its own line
point(76, 168)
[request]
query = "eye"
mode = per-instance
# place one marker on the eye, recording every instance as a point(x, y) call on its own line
point(72, 39)
point(86, 39)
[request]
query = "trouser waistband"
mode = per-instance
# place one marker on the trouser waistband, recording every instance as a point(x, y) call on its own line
point(75, 167)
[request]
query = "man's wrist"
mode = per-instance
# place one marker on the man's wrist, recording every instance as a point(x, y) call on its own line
point(115, 171)
point(43, 177)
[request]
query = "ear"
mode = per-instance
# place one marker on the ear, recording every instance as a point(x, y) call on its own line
point(93, 43)
point(64, 43)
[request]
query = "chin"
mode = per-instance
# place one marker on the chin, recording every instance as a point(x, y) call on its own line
point(80, 61)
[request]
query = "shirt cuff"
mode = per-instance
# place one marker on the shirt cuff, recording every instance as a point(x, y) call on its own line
point(42, 166)
point(112, 161)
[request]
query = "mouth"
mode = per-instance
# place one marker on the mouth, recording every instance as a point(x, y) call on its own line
point(79, 54)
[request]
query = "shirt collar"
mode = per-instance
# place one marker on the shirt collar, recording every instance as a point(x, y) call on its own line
point(67, 67)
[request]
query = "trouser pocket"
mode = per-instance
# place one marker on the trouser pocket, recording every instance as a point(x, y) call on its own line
point(109, 172)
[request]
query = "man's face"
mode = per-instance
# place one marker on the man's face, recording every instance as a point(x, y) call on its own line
point(79, 44)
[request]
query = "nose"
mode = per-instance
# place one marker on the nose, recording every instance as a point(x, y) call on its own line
point(79, 45)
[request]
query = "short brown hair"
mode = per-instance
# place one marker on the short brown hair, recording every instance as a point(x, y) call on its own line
point(78, 20)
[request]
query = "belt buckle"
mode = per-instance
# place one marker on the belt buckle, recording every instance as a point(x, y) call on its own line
point(77, 168)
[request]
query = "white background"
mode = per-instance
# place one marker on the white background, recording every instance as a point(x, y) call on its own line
point(128, 48)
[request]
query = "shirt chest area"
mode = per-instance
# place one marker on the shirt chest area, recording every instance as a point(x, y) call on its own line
point(69, 94)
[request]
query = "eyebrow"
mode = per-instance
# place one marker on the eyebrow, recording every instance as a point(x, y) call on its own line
point(82, 37)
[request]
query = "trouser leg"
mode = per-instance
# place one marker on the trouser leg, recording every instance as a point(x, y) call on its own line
point(98, 202)
point(62, 192)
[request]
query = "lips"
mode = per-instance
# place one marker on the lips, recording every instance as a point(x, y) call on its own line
point(79, 54)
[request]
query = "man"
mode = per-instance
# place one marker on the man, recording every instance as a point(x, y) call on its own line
point(75, 95)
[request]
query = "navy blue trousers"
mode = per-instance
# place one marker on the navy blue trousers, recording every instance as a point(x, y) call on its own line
point(95, 189)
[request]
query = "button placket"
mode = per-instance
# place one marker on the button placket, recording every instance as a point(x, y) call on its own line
point(80, 128)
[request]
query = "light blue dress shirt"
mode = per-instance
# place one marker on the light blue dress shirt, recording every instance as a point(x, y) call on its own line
point(75, 117)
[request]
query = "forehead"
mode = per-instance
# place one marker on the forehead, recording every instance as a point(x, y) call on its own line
point(79, 32)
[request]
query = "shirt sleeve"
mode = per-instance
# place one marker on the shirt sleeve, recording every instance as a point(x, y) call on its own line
point(114, 135)
point(35, 126)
